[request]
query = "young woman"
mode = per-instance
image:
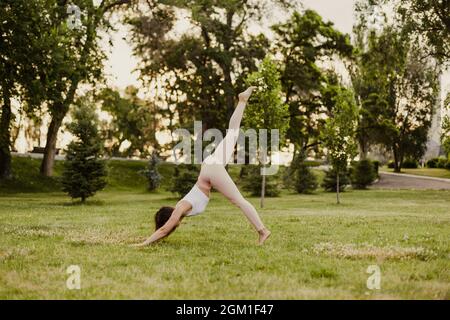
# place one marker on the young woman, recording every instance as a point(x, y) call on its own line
point(212, 174)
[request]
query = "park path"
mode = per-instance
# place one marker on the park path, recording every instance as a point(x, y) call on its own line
point(390, 180)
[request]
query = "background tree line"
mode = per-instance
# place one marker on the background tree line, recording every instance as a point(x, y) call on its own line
point(393, 66)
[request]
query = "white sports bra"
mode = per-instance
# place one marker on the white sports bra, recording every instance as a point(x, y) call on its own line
point(197, 199)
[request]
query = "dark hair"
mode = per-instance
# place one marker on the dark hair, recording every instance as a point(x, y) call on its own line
point(162, 216)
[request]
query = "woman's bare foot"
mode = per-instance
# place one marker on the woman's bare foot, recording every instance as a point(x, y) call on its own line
point(263, 235)
point(243, 96)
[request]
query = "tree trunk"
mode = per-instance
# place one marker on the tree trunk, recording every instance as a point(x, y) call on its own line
point(50, 147)
point(337, 187)
point(362, 149)
point(5, 140)
point(397, 160)
point(263, 187)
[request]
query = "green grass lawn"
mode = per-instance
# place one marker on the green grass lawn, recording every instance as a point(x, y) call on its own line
point(429, 172)
point(317, 250)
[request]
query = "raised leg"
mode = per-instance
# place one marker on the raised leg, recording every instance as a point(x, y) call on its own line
point(224, 150)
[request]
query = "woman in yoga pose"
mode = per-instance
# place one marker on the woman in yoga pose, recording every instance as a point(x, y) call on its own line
point(212, 174)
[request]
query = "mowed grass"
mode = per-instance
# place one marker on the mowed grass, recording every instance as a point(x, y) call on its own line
point(318, 250)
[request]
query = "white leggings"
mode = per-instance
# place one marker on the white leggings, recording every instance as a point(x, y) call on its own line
point(213, 173)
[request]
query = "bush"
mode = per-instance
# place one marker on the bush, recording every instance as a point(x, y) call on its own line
point(84, 173)
point(151, 173)
point(391, 165)
point(441, 163)
point(299, 176)
point(363, 174)
point(252, 180)
point(410, 164)
point(432, 163)
point(184, 178)
point(447, 166)
point(305, 181)
point(376, 167)
point(329, 182)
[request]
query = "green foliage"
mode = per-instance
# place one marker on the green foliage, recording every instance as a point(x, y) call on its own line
point(395, 86)
point(410, 164)
point(265, 109)
point(300, 177)
point(305, 179)
point(432, 163)
point(184, 178)
point(151, 172)
point(429, 20)
point(363, 174)
point(329, 182)
point(252, 180)
point(206, 68)
point(21, 54)
point(303, 41)
point(339, 132)
point(442, 163)
point(84, 173)
point(376, 166)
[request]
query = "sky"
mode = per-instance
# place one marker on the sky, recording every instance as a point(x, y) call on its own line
point(121, 63)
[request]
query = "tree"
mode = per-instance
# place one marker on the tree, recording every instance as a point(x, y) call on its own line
point(304, 41)
point(21, 53)
point(363, 174)
point(133, 120)
point(202, 69)
point(339, 132)
point(396, 88)
point(84, 172)
point(266, 110)
point(74, 59)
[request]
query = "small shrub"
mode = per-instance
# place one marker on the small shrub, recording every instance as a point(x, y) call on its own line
point(252, 180)
point(299, 176)
point(391, 165)
point(185, 177)
point(305, 181)
point(363, 174)
point(447, 166)
point(432, 163)
point(410, 164)
point(151, 173)
point(329, 181)
point(441, 163)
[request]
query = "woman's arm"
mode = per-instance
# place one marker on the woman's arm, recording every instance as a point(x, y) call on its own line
point(173, 222)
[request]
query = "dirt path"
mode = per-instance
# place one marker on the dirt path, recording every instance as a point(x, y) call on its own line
point(407, 181)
